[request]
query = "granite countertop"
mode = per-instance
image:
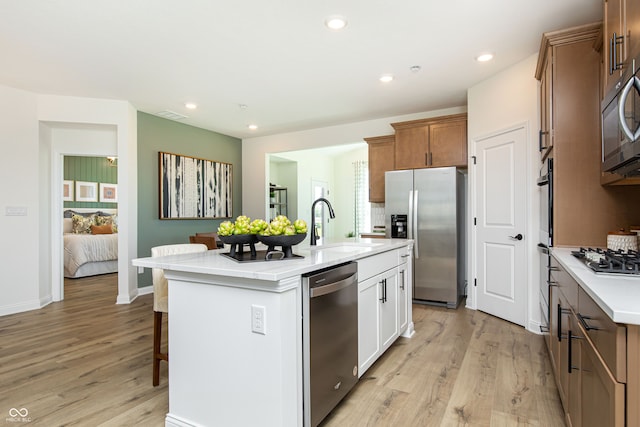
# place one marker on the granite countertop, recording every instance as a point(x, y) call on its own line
point(617, 295)
point(333, 253)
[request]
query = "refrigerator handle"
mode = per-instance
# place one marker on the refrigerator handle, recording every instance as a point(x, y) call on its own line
point(410, 219)
point(416, 249)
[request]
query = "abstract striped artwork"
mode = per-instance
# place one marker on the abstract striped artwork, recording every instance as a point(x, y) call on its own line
point(193, 188)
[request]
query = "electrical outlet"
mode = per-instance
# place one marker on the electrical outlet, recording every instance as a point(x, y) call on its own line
point(258, 320)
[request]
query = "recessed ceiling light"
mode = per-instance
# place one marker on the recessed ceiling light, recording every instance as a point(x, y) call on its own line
point(386, 78)
point(335, 22)
point(484, 57)
point(253, 127)
point(190, 105)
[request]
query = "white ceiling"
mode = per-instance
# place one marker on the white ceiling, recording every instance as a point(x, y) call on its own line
point(274, 56)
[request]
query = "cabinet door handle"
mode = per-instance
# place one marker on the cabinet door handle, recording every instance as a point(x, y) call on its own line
point(540, 134)
point(426, 159)
point(402, 280)
point(570, 367)
point(552, 283)
point(569, 353)
point(585, 325)
point(559, 325)
point(553, 268)
point(611, 53)
point(383, 299)
point(560, 312)
point(616, 41)
point(385, 290)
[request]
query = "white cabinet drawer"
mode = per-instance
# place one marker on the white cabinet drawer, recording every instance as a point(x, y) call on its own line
point(376, 264)
point(403, 254)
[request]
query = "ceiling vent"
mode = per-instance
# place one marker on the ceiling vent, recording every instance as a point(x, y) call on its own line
point(171, 115)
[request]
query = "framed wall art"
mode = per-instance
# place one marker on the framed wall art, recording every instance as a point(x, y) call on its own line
point(194, 188)
point(67, 191)
point(108, 193)
point(86, 191)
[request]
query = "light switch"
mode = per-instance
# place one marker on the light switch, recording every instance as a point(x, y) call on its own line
point(15, 211)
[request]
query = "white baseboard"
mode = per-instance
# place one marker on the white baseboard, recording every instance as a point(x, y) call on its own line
point(173, 421)
point(25, 306)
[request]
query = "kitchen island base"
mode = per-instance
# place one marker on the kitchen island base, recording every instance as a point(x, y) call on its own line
point(236, 330)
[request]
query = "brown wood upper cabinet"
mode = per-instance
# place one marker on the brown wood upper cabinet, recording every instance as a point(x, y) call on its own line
point(614, 45)
point(381, 159)
point(621, 44)
point(433, 142)
point(621, 39)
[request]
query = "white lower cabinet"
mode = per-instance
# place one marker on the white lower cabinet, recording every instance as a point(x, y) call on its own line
point(377, 316)
point(388, 288)
point(384, 283)
point(368, 323)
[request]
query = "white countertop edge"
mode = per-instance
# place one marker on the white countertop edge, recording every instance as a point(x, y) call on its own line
point(617, 295)
point(213, 263)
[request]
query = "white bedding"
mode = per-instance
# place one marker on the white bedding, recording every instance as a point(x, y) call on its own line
point(80, 249)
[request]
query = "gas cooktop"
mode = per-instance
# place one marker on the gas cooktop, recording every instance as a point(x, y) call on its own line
point(609, 261)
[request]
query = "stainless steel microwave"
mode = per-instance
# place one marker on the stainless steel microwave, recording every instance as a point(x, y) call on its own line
point(621, 125)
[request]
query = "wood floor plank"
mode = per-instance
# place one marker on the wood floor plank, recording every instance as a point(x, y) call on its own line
point(86, 361)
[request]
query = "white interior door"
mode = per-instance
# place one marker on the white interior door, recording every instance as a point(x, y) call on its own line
point(500, 249)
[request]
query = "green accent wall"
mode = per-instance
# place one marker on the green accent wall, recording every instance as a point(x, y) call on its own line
point(90, 169)
point(156, 134)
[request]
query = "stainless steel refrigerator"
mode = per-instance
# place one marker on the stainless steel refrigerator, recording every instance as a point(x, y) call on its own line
point(428, 205)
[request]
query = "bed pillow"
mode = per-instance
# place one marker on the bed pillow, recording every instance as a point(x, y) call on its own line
point(68, 213)
point(67, 225)
point(102, 229)
point(110, 220)
point(82, 224)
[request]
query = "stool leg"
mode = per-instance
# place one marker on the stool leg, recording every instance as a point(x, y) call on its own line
point(157, 336)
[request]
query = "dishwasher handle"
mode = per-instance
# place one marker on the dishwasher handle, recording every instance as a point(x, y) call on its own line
point(333, 287)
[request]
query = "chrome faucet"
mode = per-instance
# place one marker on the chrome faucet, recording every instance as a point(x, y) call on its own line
point(314, 232)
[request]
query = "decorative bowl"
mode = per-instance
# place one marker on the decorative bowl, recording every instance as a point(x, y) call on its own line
point(237, 242)
point(282, 240)
point(285, 241)
point(238, 238)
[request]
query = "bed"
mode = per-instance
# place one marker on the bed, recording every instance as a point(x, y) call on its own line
point(90, 242)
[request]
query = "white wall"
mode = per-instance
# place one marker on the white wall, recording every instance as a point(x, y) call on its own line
point(507, 99)
point(20, 252)
point(32, 173)
point(254, 152)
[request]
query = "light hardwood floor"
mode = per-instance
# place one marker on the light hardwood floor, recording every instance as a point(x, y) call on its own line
point(87, 362)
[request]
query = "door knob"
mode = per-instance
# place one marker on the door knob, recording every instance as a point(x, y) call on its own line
point(516, 237)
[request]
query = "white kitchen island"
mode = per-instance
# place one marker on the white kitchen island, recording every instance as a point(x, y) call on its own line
point(221, 371)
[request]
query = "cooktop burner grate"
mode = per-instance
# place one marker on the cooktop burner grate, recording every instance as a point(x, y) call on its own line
point(609, 261)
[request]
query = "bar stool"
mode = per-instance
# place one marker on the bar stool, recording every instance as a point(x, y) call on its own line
point(160, 299)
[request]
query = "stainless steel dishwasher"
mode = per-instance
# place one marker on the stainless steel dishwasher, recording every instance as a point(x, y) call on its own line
point(330, 338)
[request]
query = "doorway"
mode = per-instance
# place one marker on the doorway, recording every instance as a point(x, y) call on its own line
point(72, 140)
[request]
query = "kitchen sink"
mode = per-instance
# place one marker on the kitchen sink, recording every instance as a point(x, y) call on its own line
point(344, 247)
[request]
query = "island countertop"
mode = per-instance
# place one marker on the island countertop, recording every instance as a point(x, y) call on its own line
point(315, 258)
point(617, 295)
